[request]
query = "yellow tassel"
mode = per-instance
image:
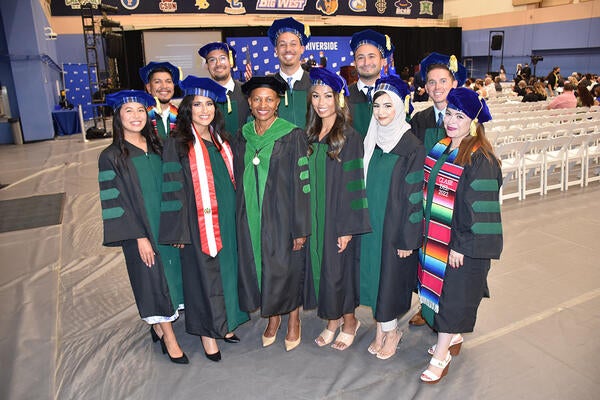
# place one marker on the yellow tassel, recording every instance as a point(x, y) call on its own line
point(473, 127)
point(157, 102)
point(341, 99)
point(306, 30)
point(231, 57)
point(453, 65)
point(286, 101)
point(407, 104)
point(228, 104)
point(388, 43)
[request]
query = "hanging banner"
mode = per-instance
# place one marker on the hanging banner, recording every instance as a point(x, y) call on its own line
point(430, 9)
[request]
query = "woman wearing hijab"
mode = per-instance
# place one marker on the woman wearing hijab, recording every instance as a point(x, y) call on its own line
point(462, 224)
point(393, 164)
point(130, 177)
point(199, 213)
point(273, 215)
point(338, 208)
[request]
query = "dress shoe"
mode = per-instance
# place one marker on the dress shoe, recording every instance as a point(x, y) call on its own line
point(269, 340)
point(232, 339)
point(346, 338)
point(155, 337)
point(292, 344)
point(393, 343)
point(216, 357)
point(429, 377)
point(177, 360)
point(454, 348)
point(417, 320)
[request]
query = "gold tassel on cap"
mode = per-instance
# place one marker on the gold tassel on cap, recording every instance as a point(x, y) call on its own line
point(180, 73)
point(341, 99)
point(407, 104)
point(228, 104)
point(286, 101)
point(306, 30)
point(230, 57)
point(453, 64)
point(388, 43)
point(157, 105)
point(473, 127)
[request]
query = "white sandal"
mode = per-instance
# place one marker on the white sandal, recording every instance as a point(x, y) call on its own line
point(455, 345)
point(429, 377)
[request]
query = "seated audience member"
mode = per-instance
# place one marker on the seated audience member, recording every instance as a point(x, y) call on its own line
point(490, 87)
point(520, 87)
point(596, 91)
point(530, 95)
point(566, 99)
point(497, 84)
point(540, 90)
point(584, 97)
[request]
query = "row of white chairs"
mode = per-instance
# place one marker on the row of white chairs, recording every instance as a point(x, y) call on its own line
point(543, 120)
point(519, 134)
point(575, 156)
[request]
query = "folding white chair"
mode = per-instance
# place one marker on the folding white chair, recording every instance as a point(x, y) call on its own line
point(592, 170)
point(533, 165)
point(510, 154)
point(554, 159)
point(576, 156)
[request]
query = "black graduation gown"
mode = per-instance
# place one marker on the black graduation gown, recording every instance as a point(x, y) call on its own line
point(402, 229)
point(339, 208)
point(125, 220)
point(285, 216)
point(464, 287)
point(209, 283)
point(360, 109)
point(295, 111)
point(239, 110)
point(424, 126)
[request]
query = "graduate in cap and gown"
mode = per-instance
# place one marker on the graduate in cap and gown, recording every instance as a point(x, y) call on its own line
point(440, 74)
point(289, 37)
point(160, 80)
point(271, 169)
point(462, 227)
point(219, 59)
point(130, 178)
point(199, 214)
point(371, 50)
point(394, 172)
point(338, 208)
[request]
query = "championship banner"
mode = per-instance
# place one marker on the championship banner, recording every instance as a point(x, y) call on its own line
point(431, 9)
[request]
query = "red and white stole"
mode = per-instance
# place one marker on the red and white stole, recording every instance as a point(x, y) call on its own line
point(204, 191)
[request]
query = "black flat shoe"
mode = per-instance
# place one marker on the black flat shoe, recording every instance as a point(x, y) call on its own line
point(154, 335)
point(179, 360)
point(232, 339)
point(216, 357)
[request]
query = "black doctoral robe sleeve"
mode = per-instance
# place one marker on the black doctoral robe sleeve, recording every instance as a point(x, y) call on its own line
point(174, 227)
point(300, 215)
point(476, 222)
point(119, 189)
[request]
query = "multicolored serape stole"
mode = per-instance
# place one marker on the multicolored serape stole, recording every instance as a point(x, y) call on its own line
point(433, 256)
point(204, 192)
point(155, 117)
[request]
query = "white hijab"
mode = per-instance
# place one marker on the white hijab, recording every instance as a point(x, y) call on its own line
point(386, 137)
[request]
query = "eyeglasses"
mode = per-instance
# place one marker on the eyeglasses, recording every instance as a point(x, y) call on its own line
point(215, 60)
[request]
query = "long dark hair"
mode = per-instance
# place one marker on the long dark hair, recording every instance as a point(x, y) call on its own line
point(466, 147)
point(183, 126)
point(587, 100)
point(336, 138)
point(152, 140)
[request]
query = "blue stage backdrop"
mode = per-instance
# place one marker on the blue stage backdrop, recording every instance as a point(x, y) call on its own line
point(260, 53)
point(77, 87)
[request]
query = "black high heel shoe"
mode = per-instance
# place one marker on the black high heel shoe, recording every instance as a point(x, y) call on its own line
point(154, 335)
point(216, 357)
point(179, 360)
point(232, 339)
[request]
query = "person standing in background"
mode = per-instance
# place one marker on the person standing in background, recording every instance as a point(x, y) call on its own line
point(160, 79)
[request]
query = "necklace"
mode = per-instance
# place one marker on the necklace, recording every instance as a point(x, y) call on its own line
point(267, 128)
point(256, 160)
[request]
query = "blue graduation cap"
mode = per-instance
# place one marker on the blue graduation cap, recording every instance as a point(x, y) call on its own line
point(289, 24)
point(230, 51)
point(395, 84)
point(115, 100)
point(369, 36)
point(450, 62)
point(152, 66)
point(322, 76)
point(274, 82)
point(469, 103)
point(196, 86)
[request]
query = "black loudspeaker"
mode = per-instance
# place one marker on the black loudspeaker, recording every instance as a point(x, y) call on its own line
point(496, 42)
point(114, 45)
